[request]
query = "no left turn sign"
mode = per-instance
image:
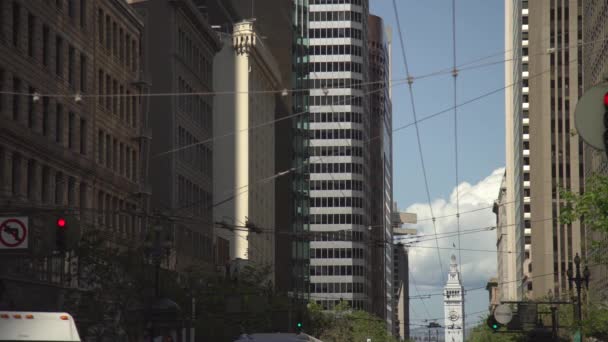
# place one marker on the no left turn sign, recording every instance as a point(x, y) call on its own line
point(14, 233)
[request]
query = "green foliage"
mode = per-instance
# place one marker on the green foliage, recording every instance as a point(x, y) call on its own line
point(344, 325)
point(591, 207)
point(483, 333)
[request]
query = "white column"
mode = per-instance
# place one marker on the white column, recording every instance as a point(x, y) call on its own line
point(244, 41)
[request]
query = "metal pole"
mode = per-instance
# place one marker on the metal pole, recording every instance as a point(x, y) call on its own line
point(554, 322)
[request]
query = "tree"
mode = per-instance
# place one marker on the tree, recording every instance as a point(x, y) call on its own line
point(343, 324)
point(591, 207)
point(483, 333)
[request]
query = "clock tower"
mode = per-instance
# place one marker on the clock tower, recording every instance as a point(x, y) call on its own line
point(453, 305)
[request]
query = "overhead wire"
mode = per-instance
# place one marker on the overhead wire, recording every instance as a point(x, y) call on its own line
point(455, 86)
point(413, 106)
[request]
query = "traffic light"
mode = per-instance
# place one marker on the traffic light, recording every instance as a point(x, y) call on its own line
point(61, 232)
point(493, 324)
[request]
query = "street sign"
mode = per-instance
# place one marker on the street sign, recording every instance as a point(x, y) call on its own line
point(503, 314)
point(14, 233)
point(589, 117)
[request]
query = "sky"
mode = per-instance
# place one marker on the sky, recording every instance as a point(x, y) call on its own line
point(426, 28)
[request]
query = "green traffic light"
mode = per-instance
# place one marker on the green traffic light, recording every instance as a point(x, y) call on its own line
point(299, 324)
point(494, 326)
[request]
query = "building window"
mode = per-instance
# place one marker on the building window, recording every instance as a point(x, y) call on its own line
point(45, 45)
point(59, 124)
point(16, 174)
point(31, 34)
point(83, 136)
point(83, 73)
point(71, 57)
point(108, 33)
point(58, 56)
point(30, 108)
point(71, 119)
point(45, 116)
point(71, 11)
point(134, 167)
point(100, 147)
point(100, 26)
point(100, 86)
point(59, 188)
point(71, 191)
point(16, 24)
point(16, 98)
point(46, 175)
point(31, 175)
point(108, 151)
point(83, 13)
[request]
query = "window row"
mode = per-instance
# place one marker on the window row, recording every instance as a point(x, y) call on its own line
point(343, 184)
point(334, 270)
point(336, 83)
point(340, 235)
point(47, 48)
point(337, 253)
point(194, 244)
point(194, 56)
point(116, 98)
point(337, 32)
point(335, 2)
point(117, 156)
point(338, 100)
point(192, 197)
point(117, 41)
point(194, 153)
point(45, 115)
point(32, 179)
point(353, 134)
point(327, 202)
point(196, 107)
point(337, 288)
point(337, 117)
point(334, 151)
point(331, 304)
point(336, 168)
point(335, 66)
point(324, 50)
point(337, 219)
point(117, 214)
point(336, 16)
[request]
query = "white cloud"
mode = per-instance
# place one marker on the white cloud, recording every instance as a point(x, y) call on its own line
point(477, 267)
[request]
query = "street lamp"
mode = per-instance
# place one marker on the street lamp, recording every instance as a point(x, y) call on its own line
point(578, 281)
point(156, 250)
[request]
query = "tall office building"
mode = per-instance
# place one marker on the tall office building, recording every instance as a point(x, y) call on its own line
point(595, 64)
point(339, 153)
point(381, 167)
point(181, 172)
point(507, 280)
point(79, 154)
point(516, 116)
point(547, 33)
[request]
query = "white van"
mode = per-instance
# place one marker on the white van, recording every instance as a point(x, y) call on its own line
point(37, 326)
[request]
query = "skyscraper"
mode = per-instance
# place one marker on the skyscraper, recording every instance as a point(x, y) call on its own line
point(339, 154)
point(511, 199)
point(547, 33)
point(381, 167)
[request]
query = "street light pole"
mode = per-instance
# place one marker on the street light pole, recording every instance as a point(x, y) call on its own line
point(578, 281)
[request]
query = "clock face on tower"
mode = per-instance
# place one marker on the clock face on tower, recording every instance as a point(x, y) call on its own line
point(454, 316)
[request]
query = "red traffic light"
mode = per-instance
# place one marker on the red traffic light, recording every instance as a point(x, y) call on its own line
point(61, 222)
point(606, 100)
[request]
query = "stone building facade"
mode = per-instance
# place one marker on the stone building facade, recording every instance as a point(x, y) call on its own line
point(69, 145)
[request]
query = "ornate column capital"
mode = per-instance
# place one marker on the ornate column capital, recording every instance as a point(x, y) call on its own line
point(243, 38)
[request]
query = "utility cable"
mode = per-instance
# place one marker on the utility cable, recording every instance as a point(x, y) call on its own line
point(454, 77)
point(411, 93)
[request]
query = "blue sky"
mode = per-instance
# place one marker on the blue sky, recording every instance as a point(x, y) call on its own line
point(427, 30)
